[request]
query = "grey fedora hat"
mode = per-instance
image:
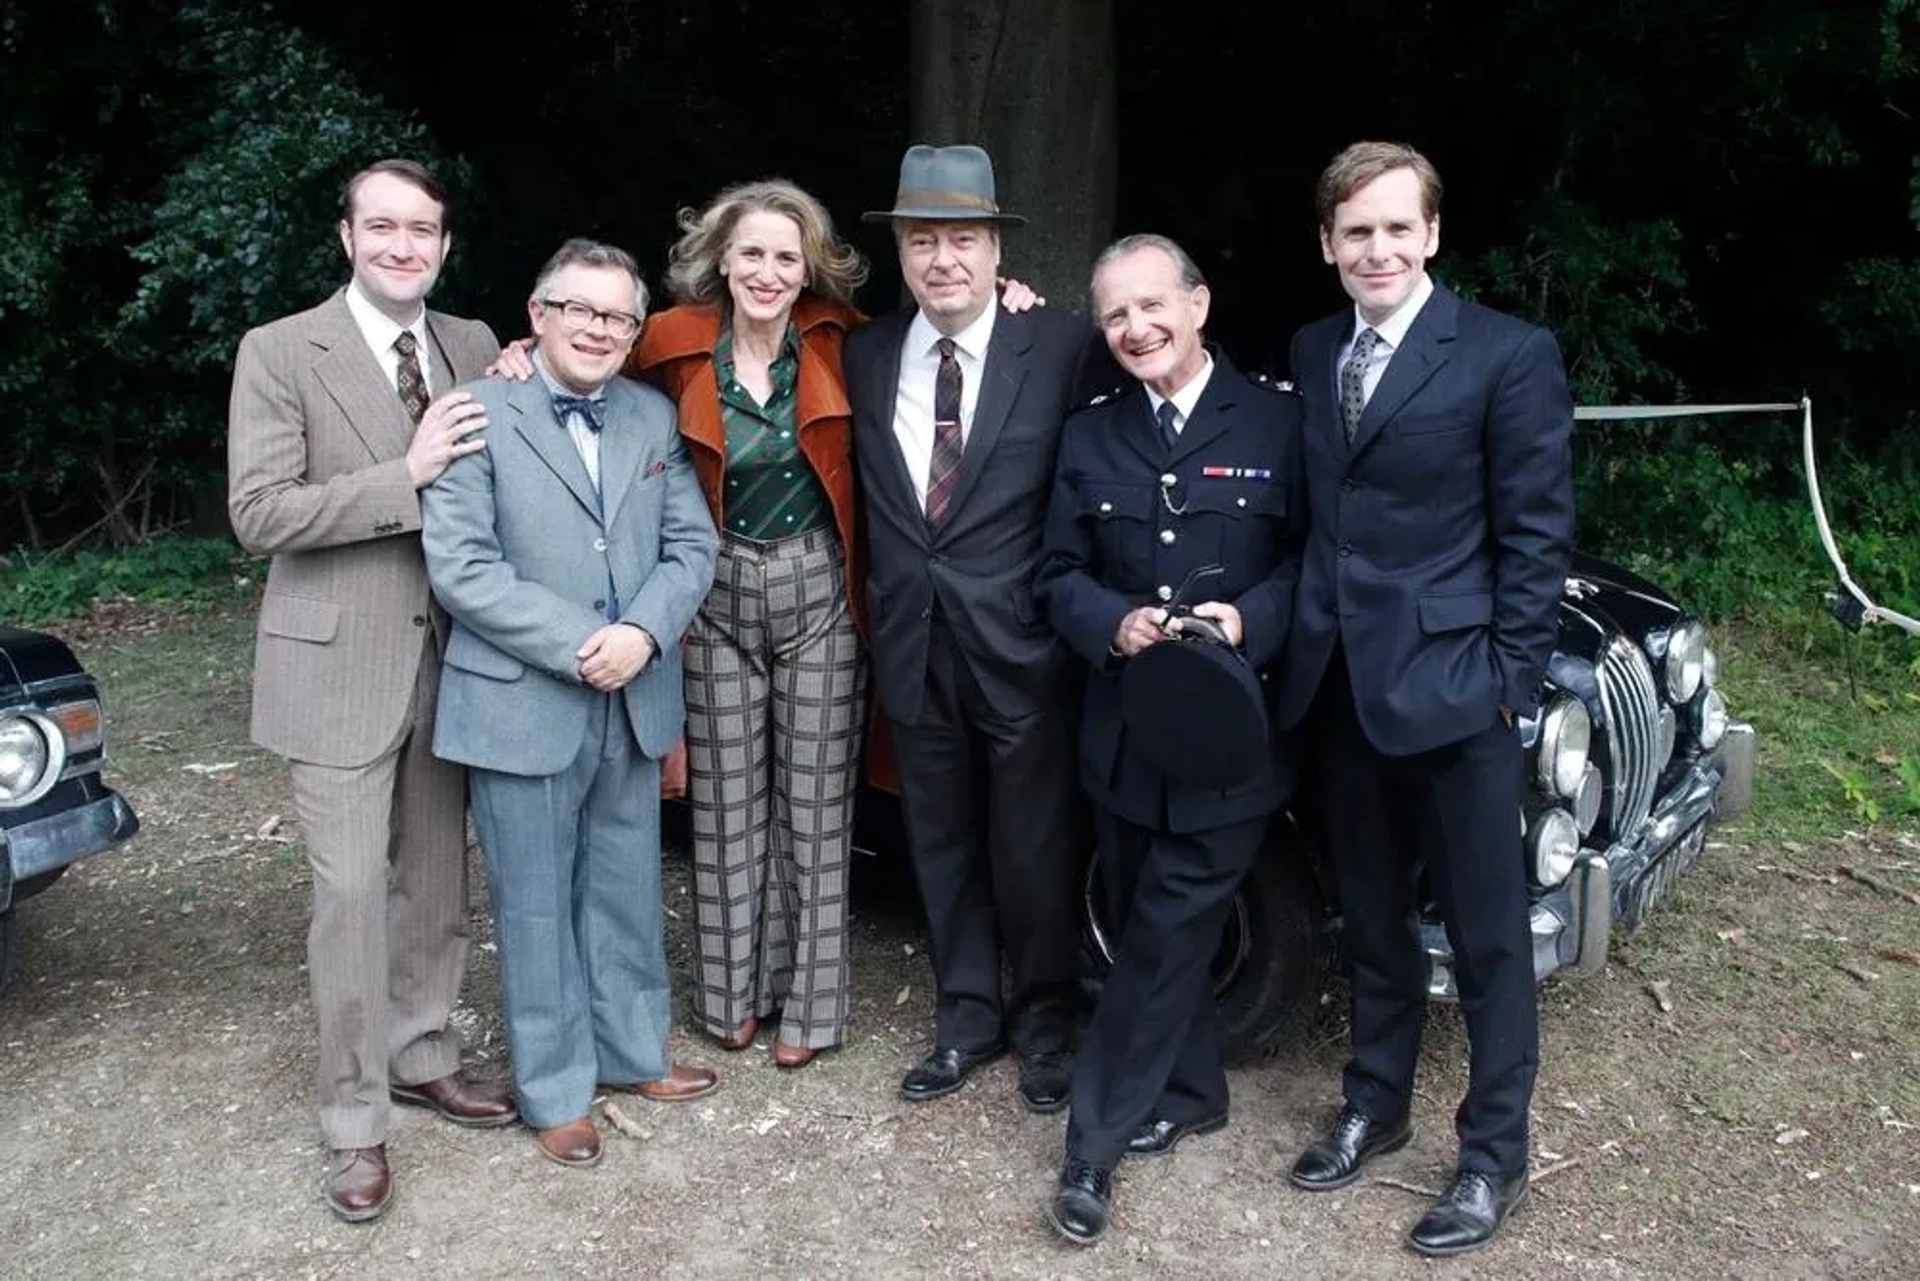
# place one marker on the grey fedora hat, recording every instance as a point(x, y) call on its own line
point(945, 184)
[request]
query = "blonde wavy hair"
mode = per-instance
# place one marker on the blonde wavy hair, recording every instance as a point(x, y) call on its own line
point(835, 269)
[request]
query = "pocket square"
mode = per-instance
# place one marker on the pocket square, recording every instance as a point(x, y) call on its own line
point(659, 466)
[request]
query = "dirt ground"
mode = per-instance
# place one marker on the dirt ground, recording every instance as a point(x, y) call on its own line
point(1736, 1096)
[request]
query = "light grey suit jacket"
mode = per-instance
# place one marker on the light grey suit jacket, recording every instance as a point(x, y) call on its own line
point(519, 552)
point(317, 478)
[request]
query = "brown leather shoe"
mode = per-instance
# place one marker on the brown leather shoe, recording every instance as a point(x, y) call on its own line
point(681, 1085)
point(575, 1143)
point(481, 1104)
point(793, 1056)
point(742, 1037)
point(358, 1185)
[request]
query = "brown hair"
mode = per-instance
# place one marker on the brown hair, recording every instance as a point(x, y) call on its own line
point(834, 268)
point(408, 171)
point(1360, 164)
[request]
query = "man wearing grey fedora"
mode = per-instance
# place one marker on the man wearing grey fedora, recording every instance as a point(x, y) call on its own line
point(957, 409)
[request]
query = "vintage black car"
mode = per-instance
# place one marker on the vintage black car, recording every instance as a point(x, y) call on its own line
point(1632, 753)
point(54, 809)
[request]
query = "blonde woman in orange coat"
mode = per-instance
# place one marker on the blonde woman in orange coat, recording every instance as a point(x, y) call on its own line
point(776, 681)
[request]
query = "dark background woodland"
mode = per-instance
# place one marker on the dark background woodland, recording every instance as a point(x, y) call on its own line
point(1706, 199)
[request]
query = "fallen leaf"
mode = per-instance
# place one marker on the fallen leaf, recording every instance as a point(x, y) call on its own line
point(1904, 955)
point(218, 767)
point(900, 997)
point(1736, 936)
point(1887, 758)
point(268, 828)
point(1787, 1138)
point(1856, 973)
point(1662, 993)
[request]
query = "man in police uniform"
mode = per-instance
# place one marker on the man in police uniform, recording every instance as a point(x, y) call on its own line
point(1180, 492)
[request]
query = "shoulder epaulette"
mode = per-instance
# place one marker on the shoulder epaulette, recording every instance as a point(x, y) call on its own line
point(1281, 385)
point(1095, 401)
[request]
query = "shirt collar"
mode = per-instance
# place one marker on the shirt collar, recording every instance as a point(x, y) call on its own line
point(921, 335)
point(1188, 396)
point(377, 326)
point(1393, 330)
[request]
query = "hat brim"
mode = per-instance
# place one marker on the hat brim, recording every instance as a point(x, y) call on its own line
point(943, 213)
point(1196, 711)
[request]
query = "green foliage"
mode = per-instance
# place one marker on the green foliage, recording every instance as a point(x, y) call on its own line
point(1853, 783)
point(37, 589)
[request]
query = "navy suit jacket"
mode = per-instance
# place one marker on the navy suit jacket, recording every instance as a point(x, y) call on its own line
point(1441, 537)
point(1118, 537)
point(978, 565)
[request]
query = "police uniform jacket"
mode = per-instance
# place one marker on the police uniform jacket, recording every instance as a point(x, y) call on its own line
point(1130, 520)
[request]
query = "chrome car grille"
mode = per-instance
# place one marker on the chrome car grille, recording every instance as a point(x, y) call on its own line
point(1631, 702)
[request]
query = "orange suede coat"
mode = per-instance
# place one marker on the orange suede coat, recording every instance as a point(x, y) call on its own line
point(675, 354)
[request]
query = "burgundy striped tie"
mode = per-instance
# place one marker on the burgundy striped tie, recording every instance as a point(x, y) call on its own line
point(945, 467)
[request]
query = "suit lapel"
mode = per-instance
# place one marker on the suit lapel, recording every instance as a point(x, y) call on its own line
point(620, 446)
point(1001, 374)
point(353, 377)
point(883, 392)
point(1428, 343)
point(549, 440)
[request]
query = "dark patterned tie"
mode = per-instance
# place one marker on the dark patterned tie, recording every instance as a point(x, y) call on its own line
point(412, 383)
point(591, 409)
point(1353, 380)
point(945, 467)
point(1169, 434)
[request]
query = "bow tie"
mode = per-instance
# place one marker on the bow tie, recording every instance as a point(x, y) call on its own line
point(590, 408)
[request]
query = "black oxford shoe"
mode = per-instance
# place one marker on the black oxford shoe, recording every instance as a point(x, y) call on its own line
point(944, 1071)
point(1469, 1215)
point(1158, 1137)
point(1082, 1203)
point(1335, 1161)
point(1046, 1080)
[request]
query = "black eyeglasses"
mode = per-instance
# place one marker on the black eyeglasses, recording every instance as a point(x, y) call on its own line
point(577, 315)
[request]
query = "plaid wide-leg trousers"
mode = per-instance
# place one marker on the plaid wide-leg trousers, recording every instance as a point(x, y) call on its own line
point(775, 699)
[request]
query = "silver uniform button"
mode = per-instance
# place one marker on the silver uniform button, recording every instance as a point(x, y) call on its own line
point(1168, 480)
point(1167, 537)
point(1163, 592)
point(1105, 508)
point(1239, 502)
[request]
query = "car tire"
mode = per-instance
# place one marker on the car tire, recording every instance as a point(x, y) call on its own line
point(9, 949)
point(1271, 970)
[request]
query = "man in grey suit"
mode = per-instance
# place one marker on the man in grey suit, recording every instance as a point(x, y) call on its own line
point(957, 408)
point(566, 552)
point(331, 433)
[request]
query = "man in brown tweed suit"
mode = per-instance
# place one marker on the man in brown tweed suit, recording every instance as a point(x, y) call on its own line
point(332, 431)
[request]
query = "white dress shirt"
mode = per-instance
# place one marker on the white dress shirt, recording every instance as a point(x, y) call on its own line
point(1185, 399)
point(379, 330)
point(1392, 331)
point(586, 441)
point(913, 405)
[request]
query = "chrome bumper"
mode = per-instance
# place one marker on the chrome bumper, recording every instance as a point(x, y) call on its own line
point(66, 837)
point(1572, 923)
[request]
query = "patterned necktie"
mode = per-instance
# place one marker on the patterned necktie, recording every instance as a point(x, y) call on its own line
point(411, 382)
point(1169, 434)
point(1353, 380)
point(945, 467)
point(591, 409)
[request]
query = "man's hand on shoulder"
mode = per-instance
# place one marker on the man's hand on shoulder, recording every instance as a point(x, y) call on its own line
point(515, 361)
point(446, 432)
point(614, 655)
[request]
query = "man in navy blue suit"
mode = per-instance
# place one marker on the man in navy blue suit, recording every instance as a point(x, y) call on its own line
point(1438, 437)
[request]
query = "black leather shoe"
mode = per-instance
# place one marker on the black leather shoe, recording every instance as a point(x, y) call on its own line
point(1082, 1202)
point(1335, 1161)
point(944, 1071)
point(1469, 1215)
point(1046, 1080)
point(1158, 1137)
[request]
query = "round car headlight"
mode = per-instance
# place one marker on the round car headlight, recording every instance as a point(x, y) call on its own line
point(1554, 844)
point(1686, 660)
point(1566, 736)
point(1712, 723)
point(24, 757)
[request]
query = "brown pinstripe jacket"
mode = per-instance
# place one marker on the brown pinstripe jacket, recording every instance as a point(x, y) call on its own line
point(317, 478)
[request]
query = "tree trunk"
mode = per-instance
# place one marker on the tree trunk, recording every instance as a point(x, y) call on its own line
point(1032, 81)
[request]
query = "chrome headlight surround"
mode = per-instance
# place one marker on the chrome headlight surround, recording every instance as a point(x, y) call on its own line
point(33, 752)
point(1686, 663)
point(1566, 740)
point(1710, 719)
point(1553, 845)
